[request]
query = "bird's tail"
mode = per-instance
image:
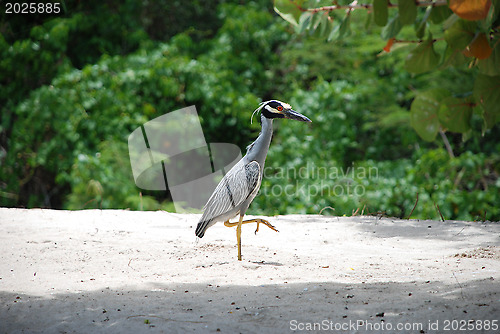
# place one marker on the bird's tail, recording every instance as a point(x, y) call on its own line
point(201, 228)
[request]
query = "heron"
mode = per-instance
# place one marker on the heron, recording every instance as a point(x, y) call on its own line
point(240, 185)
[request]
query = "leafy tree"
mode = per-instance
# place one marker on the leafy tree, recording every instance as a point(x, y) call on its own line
point(453, 33)
point(70, 98)
point(58, 124)
point(337, 163)
point(36, 48)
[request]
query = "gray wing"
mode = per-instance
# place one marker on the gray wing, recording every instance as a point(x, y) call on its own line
point(234, 188)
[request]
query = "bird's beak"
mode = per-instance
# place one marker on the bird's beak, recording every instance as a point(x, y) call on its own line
point(292, 114)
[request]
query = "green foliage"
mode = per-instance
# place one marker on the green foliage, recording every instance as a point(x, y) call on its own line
point(422, 58)
point(100, 181)
point(407, 12)
point(76, 85)
point(457, 32)
point(33, 53)
point(486, 91)
point(424, 113)
point(36, 48)
point(106, 101)
point(380, 12)
point(455, 114)
point(465, 186)
point(289, 10)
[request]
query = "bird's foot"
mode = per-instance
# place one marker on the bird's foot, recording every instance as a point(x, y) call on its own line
point(257, 220)
point(260, 221)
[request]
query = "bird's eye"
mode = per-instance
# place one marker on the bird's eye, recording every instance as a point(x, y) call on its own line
point(279, 108)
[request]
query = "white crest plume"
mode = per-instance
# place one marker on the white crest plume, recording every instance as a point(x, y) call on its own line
point(261, 105)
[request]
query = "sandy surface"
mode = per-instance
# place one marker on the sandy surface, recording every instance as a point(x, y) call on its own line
point(132, 272)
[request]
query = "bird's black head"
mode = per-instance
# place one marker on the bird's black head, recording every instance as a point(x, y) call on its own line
point(277, 109)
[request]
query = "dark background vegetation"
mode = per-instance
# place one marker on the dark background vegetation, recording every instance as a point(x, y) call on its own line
point(76, 84)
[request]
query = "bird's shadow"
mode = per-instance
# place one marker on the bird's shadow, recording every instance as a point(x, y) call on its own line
point(277, 264)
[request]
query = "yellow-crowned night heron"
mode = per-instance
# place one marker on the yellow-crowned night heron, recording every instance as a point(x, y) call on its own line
point(240, 185)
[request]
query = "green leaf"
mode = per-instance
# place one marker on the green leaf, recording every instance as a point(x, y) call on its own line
point(466, 136)
point(334, 32)
point(345, 27)
point(491, 17)
point(316, 20)
point(304, 22)
point(486, 90)
point(329, 28)
point(424, 113)
point(319, 24)
point(491, 65)
point(496, 9)
point(289, 10)
point(423, 58)
point(392, 28)
point(380, 12)
point(407, 11)
point(421, 24)
point(323, 25)
point(453, 57)
point(450, 21)
point(455, 113)
point(368, 21)
point(460, 34)
point(342, 30)
point(439, 14)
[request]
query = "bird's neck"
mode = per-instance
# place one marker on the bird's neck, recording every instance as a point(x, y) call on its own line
point(259, 148)
point(266, 133)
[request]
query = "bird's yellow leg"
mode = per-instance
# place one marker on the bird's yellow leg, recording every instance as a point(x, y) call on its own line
point(238, 237)
point(238, 229)
point(257, 220)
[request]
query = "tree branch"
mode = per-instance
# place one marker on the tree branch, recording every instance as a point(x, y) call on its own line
point(447, 144)
point(355, 5)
